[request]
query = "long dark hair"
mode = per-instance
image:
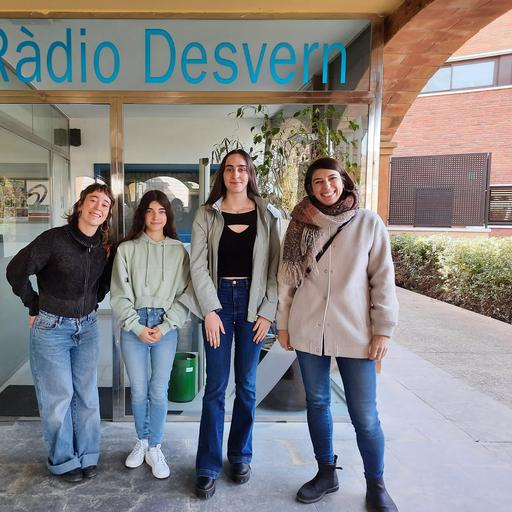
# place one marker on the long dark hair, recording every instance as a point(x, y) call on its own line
point(219, 188)
point(333, 165)
point(105, 228)
point(139, 216)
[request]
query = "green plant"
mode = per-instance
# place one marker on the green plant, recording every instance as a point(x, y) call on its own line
point(418, 263)
point(478, 276)
point(475, 274)
point(283, 145)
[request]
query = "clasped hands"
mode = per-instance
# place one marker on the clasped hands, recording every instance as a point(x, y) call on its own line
point(150, 335)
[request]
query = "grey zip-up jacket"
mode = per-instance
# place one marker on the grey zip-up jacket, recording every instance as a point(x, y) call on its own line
point(206, 232)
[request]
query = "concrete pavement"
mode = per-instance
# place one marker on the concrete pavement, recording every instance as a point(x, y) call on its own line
point(448, 440)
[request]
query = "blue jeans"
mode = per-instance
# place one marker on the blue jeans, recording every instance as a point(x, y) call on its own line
point(63, 360)
point(359, 381)
point(234, 297)
point(149, 393)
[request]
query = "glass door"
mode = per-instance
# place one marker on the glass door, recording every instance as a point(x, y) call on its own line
point(168, 148)
point(25, 201)
point(48, 154)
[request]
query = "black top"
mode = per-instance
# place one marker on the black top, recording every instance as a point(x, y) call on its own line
point(235, 249)
point(72, 271)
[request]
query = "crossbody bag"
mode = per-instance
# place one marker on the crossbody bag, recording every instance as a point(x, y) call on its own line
point(330, 241)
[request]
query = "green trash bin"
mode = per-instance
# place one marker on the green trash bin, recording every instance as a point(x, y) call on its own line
point(182, 386)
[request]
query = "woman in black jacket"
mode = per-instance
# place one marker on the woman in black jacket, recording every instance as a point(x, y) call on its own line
point(72, 270)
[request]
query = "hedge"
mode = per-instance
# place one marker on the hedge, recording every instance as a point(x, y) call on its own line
point(475, 274)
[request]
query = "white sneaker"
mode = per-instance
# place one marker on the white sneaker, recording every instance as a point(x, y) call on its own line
point(156, 460)
point(136, 457)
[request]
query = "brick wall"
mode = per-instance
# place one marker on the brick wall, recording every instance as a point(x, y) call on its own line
point(495, 37)
point(471, 122)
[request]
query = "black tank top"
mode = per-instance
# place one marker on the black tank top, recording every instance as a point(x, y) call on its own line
point(235, 249)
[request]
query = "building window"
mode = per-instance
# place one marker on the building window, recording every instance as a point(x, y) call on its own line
point(500, 205)
point(441, 81)
point(471, 74)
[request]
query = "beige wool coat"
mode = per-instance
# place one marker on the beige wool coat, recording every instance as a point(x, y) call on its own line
point(351, 297)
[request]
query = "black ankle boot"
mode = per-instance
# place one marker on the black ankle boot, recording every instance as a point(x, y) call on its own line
point(205, 487)
point(240, 472)
point(325, 481)
point(377, 498)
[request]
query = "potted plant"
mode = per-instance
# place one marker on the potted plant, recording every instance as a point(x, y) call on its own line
point(285, 142)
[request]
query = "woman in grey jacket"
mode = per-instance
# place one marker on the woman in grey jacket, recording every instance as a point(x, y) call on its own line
point(234, 260)
point(337, 298)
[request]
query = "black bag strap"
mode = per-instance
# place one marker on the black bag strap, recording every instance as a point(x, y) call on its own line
point(330, 241)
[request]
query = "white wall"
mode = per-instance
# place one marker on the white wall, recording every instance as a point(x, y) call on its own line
point(95, 147)
point(157, 134)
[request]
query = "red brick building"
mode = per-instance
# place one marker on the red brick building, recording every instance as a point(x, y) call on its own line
point(465, 114)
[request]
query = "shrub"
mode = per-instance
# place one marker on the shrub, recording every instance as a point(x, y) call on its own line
point(475, 274)
point(478, 276)
point(418, 263)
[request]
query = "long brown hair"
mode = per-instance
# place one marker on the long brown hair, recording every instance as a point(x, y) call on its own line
point(139, 217)
point(333, 165)
point(219, 188)
point(105, 228)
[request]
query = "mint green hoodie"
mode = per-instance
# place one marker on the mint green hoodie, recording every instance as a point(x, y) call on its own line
point(149, 274)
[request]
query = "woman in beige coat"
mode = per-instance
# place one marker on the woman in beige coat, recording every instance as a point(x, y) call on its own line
point(337, 299)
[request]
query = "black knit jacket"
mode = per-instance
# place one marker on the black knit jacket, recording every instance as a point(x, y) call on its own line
point(72, 270)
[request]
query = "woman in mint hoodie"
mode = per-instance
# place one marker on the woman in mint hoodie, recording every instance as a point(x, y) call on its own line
point(151, 271)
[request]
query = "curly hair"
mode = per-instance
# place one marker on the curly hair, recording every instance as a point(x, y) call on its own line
point(105, 228)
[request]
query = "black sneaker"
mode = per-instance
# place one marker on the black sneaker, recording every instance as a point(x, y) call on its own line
point(73, 476)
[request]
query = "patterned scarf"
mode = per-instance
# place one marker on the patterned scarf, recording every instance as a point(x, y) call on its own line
point(309, 217)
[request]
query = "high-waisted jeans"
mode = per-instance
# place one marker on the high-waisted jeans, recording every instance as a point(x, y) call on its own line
point(63, 360)
point(359, 381)
point(149, 390)
point(234, 297)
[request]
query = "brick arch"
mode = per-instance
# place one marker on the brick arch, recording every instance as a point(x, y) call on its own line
point(418, 38)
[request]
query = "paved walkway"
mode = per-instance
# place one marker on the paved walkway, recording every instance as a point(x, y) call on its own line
point(449, 444)
point(472, 347)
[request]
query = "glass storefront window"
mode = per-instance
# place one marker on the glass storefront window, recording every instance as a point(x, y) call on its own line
point(176, 147)
point(25, 209)
point(163, 147)
point(37, 178)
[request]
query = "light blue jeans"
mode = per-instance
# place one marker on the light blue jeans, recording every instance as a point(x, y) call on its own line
point(359, 381)
point(63, 360)
point(149, 391)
